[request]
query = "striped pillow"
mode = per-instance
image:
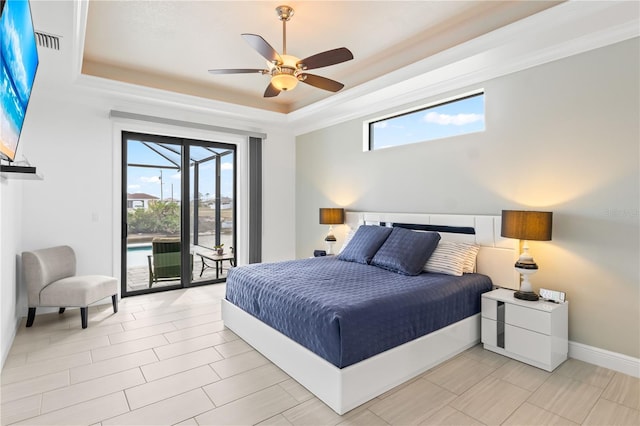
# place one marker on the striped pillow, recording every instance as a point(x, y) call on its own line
point(471, 256)
point(452, 258)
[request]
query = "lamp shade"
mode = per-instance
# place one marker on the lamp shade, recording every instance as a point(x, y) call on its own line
point(526, 225)
point(331, 216)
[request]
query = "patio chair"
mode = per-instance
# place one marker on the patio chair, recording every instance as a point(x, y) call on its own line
point(165, 260)
point(51, 280)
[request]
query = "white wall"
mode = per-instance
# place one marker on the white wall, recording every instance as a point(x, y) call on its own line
point(561, 137)
point(70, 138)
point(10, 225)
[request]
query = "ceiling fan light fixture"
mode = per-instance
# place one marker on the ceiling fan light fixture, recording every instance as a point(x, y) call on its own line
point(284, 81)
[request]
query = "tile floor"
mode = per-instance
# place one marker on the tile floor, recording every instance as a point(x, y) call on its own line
point(166, 358)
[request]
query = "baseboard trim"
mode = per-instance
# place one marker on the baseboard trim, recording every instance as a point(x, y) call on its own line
point(604, 358)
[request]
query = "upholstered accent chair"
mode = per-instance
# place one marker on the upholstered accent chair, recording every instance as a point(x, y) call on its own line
point(50, 276)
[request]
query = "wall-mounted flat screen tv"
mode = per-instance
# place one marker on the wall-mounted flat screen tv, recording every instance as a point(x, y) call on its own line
point(19, 62)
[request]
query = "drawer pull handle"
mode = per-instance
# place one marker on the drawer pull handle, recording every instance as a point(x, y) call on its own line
point(500, 325)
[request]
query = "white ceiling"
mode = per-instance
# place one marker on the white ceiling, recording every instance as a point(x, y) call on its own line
point(170, 45)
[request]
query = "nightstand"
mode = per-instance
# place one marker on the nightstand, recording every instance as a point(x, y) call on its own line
point(532, 332)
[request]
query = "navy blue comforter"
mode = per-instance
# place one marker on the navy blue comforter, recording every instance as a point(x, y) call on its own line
point(346, 312)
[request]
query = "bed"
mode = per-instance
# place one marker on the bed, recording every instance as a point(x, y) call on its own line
point(349, 356)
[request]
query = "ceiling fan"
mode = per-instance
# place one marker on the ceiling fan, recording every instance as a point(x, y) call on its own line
point(286, 70)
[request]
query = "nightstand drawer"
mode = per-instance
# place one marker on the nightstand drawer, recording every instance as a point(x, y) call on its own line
point(489, 308)
point(529, 318)
point(489, 332)
point(528, 344)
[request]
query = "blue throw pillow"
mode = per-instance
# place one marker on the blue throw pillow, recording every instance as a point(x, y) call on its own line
point(406, 251)
point(365, 243)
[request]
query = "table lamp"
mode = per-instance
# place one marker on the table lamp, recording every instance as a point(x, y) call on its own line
point(331, 216)
point(525, 226)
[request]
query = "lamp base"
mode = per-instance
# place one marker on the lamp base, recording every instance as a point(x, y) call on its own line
point(526, 295)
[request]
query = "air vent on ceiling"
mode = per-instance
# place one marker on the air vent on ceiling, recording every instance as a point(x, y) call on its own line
point(49, 41)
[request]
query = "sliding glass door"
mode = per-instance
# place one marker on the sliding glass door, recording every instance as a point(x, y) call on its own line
point(178, 228)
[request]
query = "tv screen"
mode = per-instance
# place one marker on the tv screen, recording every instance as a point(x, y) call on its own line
point(19, 62)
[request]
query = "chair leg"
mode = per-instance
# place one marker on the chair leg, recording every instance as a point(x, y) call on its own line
point(61, 310)
point(31, 316)
point(114, 300)
point(84, 316)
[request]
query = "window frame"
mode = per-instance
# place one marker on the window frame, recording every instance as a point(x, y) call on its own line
point(367, 142)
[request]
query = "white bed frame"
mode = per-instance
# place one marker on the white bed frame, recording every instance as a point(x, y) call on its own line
point(343, 389)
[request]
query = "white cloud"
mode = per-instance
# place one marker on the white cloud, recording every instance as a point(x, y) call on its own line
point(380, 124)
point(226, 166)
point(456, 120)
point(150, 179)
point(176, 176)
point(133, 186)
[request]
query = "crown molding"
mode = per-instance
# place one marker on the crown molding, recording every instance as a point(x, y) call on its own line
point(568, 29)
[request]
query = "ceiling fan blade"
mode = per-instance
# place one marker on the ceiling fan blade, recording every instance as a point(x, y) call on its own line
point(271, 91)
point(239, 71)
point(323, 82)
point(262, 47)
point(324, 59)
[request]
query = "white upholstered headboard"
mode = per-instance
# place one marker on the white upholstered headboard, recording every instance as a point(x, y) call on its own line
point(497, 254)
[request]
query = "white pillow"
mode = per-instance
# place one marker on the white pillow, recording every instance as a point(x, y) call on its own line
point(452, 258)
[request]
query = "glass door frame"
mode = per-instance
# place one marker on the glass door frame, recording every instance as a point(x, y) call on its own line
point(185, 144)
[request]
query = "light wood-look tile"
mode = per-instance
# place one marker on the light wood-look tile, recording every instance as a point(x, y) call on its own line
point(251, 409)
point(84, 391)
point(194, 331)
point(585, 372)
point(312, 412)
point(609, 413)
point(296, 390)
point(233, 348)
point(166, 358)
point(624, 390)
point(111, 366)
point(277, 420)
point(566, 397)
point(189, 345)
point(243, 384)
point(178, 364)
point(20, 409)
point(167, 387)
point(449, 416)
point(34, 386)
point(491, 401)
point(139, 333)
point(413, 403)
point(228, 367)
point(85, 413)
point(522, 375)
point(528, 414)
point(362, 418)
point(56, 351)
point(35, 369)
point(166, 412)
point(459, 374)
point(125, 348)
point(479, 354)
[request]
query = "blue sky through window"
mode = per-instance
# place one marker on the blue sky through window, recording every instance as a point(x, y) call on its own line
point(440, 121)
point(147, 179)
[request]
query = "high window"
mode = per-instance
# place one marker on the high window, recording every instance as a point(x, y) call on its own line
point(451, 117)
